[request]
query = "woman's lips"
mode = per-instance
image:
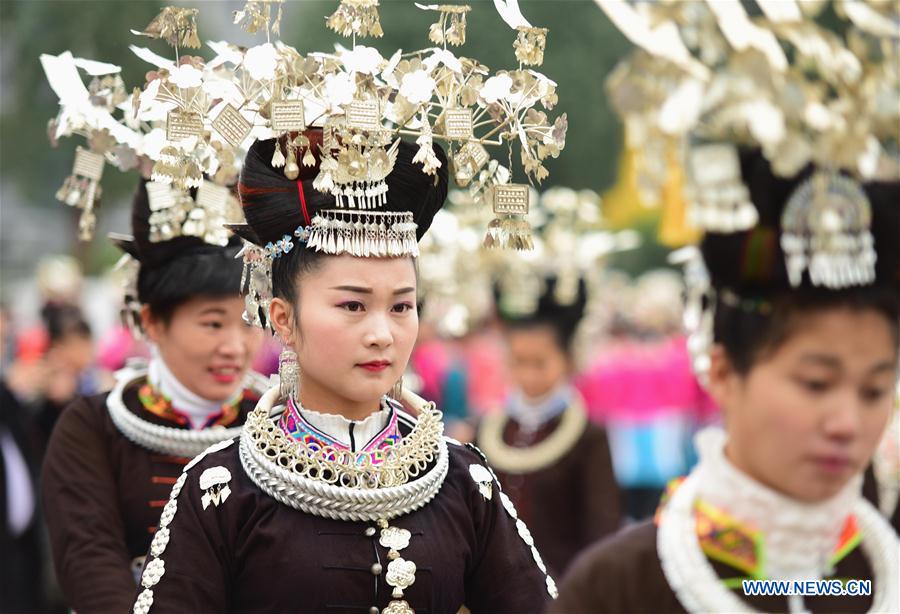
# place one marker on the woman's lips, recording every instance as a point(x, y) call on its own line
point(225, 375)
point(832, 464)
point(375, 366)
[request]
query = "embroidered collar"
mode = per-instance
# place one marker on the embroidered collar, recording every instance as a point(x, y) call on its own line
point(341, 484)
point(725, 539)
point(700, 589)
point(532, 414)
point(170, 440)
point(294, 424)
point(764, 534)
point(158, 404)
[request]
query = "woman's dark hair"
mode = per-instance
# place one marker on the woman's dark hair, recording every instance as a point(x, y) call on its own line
point(275, 206)
point(561, 319)
point(287, 269)
point(207, 272)
point(751, 330)
point(757, 309)
point(64, 320)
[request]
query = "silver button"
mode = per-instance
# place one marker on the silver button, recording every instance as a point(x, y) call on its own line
point(374, 610)
point(370, 531)
point(376, 569)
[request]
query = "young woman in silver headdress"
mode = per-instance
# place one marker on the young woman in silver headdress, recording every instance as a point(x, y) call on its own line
point(339, 496)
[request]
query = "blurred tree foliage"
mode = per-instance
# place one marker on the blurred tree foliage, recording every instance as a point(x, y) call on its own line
point(97, 29)
point(582, 48)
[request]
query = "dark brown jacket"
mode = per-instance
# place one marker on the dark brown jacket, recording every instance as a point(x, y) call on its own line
point(570, 504)
point(252, 553)
point(623, 575)
point(102, 498)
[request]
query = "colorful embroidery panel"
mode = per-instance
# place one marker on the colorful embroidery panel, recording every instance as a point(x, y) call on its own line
point(724, 539)
point(159, 405)
point(850, 539)
point(294, 425)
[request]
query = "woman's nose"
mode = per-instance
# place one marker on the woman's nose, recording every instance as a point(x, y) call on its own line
point(379, 332)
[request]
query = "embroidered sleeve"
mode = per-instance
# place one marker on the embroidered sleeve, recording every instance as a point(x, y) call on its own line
point(508, 574)
point(185, 571)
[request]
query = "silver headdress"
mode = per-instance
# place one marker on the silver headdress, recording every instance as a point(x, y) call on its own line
point(708, 78)
point(364, 104)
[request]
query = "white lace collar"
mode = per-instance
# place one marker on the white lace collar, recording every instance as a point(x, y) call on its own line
point(355, 434)
point(695, 582)
point(800, 538)
point(196, 408)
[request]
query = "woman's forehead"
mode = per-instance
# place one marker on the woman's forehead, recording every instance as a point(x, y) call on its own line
point(841, 336)
point(373, 273)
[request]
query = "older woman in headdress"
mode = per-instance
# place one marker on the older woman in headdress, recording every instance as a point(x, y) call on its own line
point(113, 458)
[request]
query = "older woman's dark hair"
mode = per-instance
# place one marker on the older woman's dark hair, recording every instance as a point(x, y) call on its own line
point(756, 307)
point(213, 273)
point(184, 268)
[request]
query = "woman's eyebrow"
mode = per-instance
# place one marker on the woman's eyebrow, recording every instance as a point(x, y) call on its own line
point(364, 290)
point(821, 359)
point(211, 310)
point(883, 367)
point(832, 362)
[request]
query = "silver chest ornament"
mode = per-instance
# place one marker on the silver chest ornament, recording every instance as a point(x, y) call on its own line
point(214, 483)
point(484, 479)
point(401, 574)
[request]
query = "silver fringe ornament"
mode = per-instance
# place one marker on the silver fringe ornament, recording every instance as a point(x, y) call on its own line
point(130, 314)
point(721, 201)
point(168, 209)
point(82, 189)
point(365, 234)
point(256, 283)
point(510, 229)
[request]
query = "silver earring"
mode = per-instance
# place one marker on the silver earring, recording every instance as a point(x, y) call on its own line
point(288, 373)
point(397, 390)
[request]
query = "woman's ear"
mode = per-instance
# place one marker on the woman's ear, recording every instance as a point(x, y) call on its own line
point(723, 380)
point(281, 317)
point(150, 324)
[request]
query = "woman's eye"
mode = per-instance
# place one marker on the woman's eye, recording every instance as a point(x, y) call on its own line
point(872, 395)
point(403, 307)
point(212, 325)
point(815, 386)
point(353, 306)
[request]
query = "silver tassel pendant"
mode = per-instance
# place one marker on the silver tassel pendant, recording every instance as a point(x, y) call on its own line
point(288, 374)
